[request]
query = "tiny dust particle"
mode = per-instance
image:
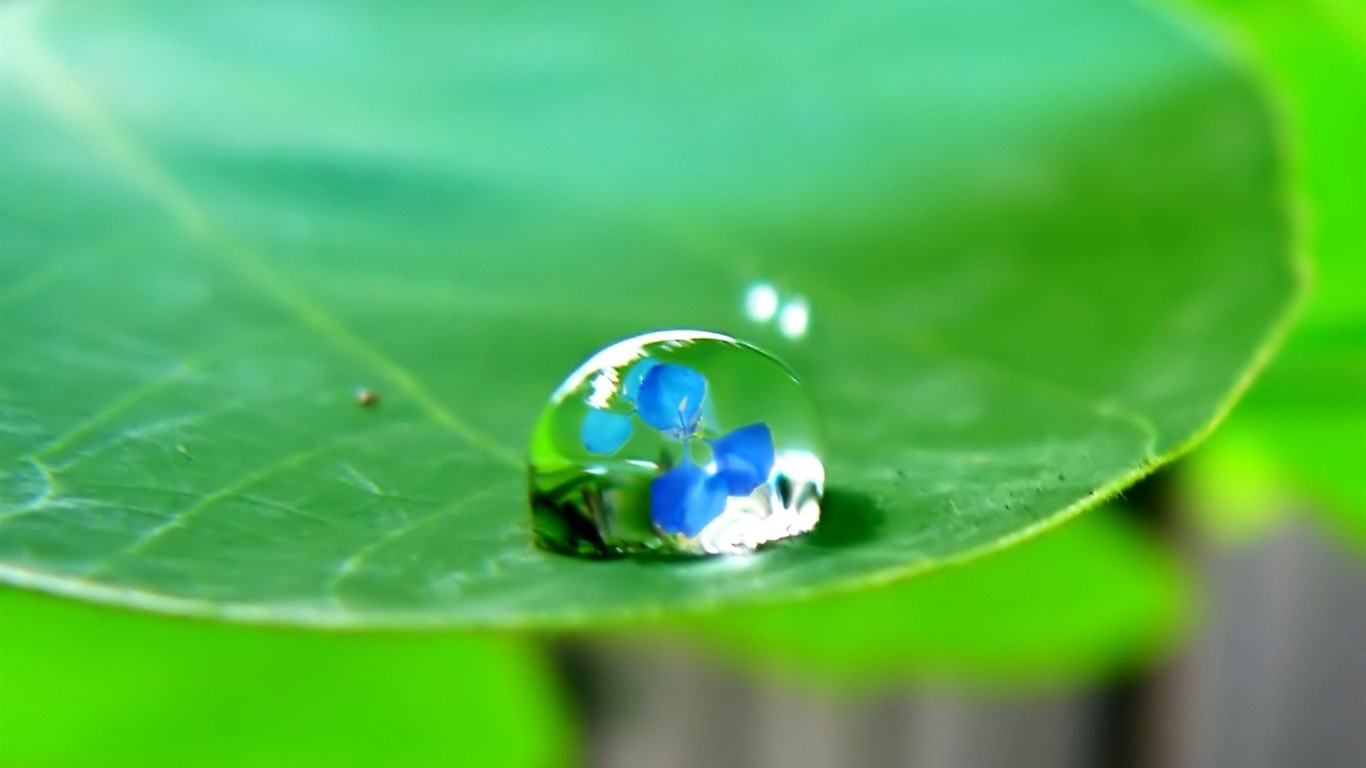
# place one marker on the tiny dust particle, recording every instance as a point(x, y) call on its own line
point(366, 397)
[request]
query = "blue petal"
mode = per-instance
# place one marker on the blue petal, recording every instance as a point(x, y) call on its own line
point(604, 432)
point(670, 398)
point(744, 458)
point(685, 499)
point(630, 383)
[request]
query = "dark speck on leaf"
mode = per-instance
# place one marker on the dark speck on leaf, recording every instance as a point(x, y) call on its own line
point(367, 398)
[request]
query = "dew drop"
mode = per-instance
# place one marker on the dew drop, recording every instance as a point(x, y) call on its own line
point(676, 442)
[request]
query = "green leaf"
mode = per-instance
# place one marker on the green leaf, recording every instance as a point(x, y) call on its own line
point(84, 686)
point(1042, 253)
point(1085, 599)
point(1268, 464)
point(1299, 439)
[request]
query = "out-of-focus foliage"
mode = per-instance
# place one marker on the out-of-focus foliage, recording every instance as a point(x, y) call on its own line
point(1085, 599)
point(1299, 438)
point(84, 686)
point(1042, 251)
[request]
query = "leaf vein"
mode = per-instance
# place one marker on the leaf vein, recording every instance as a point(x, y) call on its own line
point(181, 518)
point(70, 100)
point(353, 564)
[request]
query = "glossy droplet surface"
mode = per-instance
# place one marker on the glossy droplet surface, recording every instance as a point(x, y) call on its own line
point(677, 442)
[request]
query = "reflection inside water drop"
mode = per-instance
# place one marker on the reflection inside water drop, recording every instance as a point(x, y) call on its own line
point(675, 442)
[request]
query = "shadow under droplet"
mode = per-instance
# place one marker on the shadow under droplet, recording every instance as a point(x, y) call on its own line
point(848, 518)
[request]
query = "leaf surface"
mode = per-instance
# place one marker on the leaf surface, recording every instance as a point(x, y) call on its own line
point(1040, 252)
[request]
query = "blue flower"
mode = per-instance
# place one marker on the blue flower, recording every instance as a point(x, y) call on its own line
point(744, 458)
point(630, 383)
point(669, 398)
point(688, 497)
point(604, 431)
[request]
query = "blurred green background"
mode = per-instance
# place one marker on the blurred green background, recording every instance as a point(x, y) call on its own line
point(1124, 610)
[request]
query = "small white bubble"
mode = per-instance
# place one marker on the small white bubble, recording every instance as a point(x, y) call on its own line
point(794, 318)
point(761, 302)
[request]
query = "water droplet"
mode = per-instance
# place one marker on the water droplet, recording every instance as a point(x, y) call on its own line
point(677, 442)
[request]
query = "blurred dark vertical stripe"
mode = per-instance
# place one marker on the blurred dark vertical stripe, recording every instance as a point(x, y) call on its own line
point(585, 692)
point(1131, 712)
